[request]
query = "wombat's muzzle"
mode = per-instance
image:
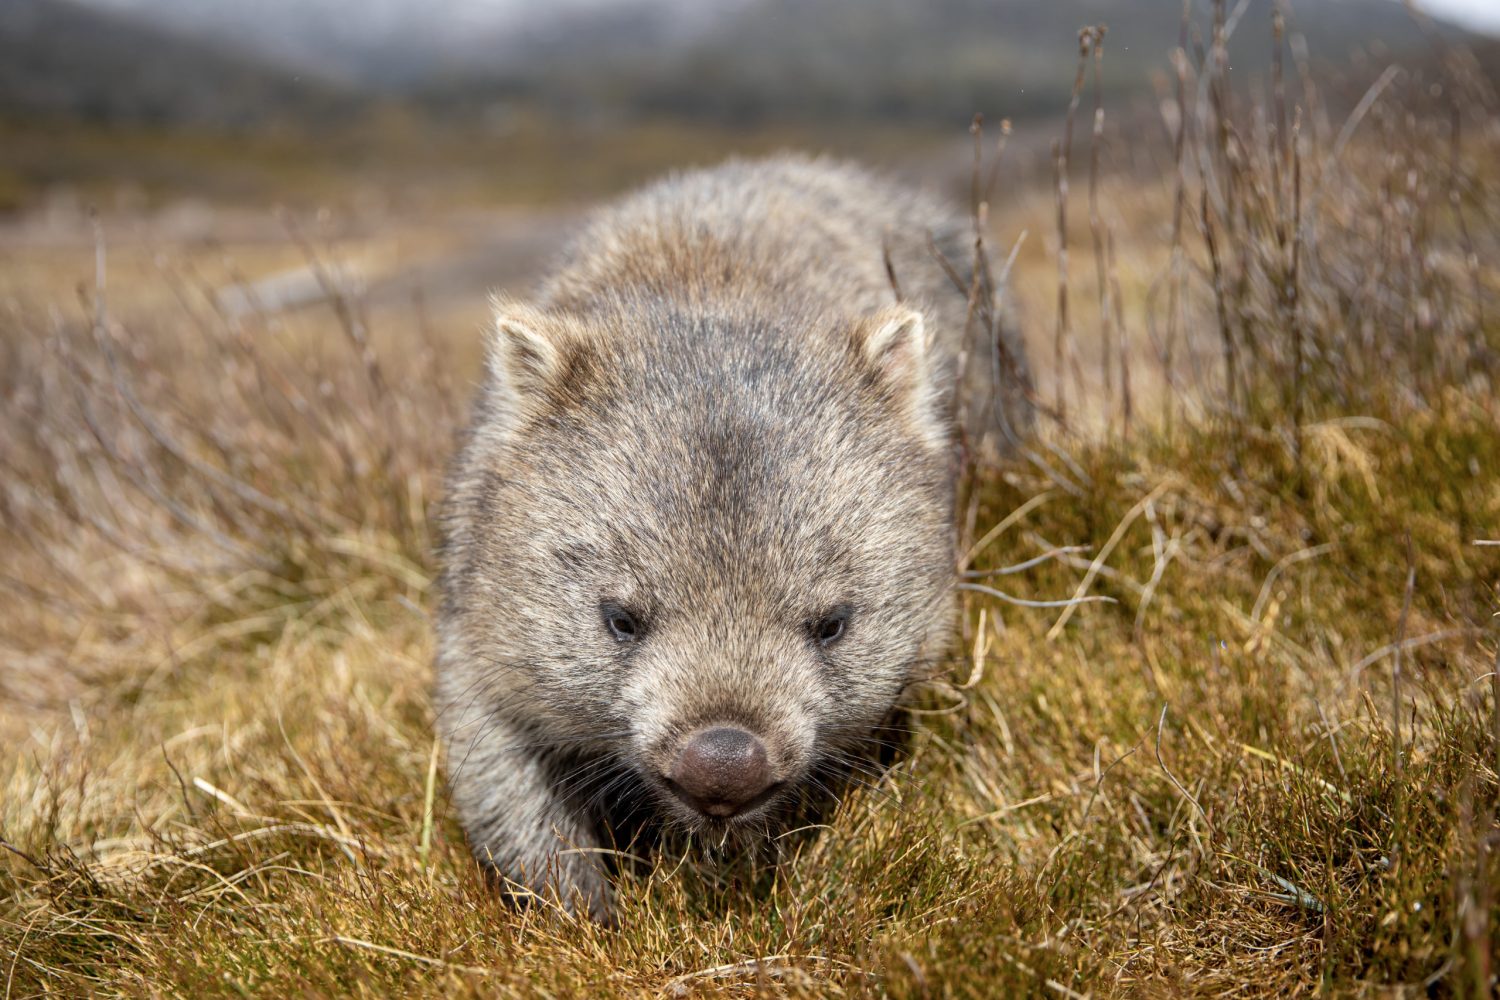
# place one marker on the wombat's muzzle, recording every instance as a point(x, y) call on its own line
point(722, 771)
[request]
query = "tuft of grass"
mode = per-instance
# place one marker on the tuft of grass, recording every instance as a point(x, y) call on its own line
point(1271, 764)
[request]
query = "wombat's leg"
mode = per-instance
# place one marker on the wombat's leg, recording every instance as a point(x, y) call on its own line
point(523, 830)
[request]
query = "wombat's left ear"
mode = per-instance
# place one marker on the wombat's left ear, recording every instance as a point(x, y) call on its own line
point(895, 347)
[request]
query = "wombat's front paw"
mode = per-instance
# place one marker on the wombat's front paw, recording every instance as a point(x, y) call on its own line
point(586, 892)
point(580, 888)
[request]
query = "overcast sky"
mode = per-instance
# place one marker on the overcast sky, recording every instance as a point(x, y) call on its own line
point(1480, 14)
point(1483, 14)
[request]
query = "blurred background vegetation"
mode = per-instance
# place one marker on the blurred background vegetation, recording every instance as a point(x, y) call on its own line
point(137, 102)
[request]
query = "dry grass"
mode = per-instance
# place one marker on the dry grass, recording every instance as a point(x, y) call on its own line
point(1271, 766)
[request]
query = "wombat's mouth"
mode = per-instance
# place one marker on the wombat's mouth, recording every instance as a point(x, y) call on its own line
point(717, 810)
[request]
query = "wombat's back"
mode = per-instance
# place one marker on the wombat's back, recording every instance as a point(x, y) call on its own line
point(807, 240)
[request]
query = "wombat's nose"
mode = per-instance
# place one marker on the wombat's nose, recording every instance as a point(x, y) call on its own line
point(721, 771)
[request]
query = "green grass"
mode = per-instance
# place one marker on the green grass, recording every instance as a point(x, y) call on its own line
point(393, 158)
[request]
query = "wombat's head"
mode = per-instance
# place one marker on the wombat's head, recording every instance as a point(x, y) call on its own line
point(714, 548)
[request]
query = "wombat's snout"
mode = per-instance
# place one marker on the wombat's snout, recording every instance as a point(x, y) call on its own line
point(722, 771)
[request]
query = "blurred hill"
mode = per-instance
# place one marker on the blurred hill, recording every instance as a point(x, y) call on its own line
point(392, 44)
point(64, 58)
point(514, 101)
point(819, 60)
point(744, 61)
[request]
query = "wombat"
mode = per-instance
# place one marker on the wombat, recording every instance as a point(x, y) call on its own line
point(699, 536)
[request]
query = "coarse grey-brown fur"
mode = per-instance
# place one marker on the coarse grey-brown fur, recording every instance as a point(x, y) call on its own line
point(719, 416)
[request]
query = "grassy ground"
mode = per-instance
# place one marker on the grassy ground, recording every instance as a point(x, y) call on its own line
point(1197, 791)
point(1271, 764)
point(426, 165)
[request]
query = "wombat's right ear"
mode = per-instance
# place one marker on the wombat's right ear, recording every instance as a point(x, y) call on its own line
point(523, 349)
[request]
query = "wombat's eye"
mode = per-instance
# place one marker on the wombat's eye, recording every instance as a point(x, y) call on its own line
point(831, 627)
point(620, 622)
